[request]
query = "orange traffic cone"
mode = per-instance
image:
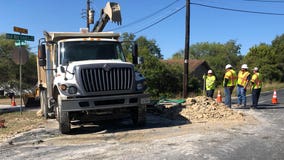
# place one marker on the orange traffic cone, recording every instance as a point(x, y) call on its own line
point(274, 97)
point(13, 103)
point(219, 97)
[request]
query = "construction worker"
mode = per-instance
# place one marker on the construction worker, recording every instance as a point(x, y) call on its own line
point(256, 83)
point(210, 83)
point(229, 83)
point(242, 83)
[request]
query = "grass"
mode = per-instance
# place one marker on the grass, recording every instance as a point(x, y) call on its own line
point(16, 122)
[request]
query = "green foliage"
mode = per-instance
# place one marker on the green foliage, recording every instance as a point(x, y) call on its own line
point(9, 71)
point(265, 58)
point(217, 55)
point(178, 55)
point(149, 47)
point(162, 80)
point(127, 39)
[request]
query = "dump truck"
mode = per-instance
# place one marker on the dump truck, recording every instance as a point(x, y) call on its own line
point(84, 77)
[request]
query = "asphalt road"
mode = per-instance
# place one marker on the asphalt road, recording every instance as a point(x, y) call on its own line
point(259, 142)
point(161, 139)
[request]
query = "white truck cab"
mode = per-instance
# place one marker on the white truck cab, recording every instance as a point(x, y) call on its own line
point(84, 76)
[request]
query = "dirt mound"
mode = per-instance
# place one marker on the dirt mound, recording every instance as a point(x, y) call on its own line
point(202, 108)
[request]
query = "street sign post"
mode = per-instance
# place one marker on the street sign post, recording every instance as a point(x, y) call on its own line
point(20, 30)
point(20, 43)
point(20, 37)
point(20, 56)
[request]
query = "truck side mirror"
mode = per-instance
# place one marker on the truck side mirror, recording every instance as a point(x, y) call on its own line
point(41, 55)
point(134, 53)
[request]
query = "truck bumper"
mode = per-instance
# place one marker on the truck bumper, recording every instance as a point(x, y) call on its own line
point(104, 102)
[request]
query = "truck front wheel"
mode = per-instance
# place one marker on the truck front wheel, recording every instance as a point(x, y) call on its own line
point(138, 115)
point(64, 123)
point(63, 118)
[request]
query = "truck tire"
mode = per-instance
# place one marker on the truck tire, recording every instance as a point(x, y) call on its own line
point(64, 123)
point(43, 103)
point(63, 118)
point(139, 115)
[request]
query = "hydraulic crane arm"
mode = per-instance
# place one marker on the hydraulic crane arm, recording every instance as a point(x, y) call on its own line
point(110, 12)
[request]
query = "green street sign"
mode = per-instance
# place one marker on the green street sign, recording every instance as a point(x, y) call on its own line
point(20, 37)
point(20, 43)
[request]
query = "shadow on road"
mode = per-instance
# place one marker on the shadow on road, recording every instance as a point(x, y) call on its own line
point(265, 106)
point(156, 118)
point(269, 106)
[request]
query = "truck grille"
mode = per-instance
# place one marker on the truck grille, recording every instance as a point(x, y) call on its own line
point(100, 79)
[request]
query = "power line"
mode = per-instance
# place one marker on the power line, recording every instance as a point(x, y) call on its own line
point(270, 1)
point(202, 5)
point(160, 20)
point(146, 17)
point(238, 10)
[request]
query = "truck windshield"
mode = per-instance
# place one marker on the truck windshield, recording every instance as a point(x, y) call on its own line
point(90, 50)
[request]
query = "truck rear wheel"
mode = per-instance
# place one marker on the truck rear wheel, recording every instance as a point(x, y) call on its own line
point(139, 115)
point(43, 103)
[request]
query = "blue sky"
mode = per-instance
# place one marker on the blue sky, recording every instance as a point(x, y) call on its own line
point(207, 24)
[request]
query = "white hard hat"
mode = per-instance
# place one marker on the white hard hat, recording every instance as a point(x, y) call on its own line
point(244, 66)
point(255, 69)
point(210, 71)
point(228, 66)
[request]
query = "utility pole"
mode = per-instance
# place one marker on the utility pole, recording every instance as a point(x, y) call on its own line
point(186, 48)
point(87, 13)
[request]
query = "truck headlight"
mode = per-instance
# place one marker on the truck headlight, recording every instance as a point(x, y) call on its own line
point(72, 90)
point(63, 87)
point(140, 86)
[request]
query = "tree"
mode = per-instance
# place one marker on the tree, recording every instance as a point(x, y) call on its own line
point(128, 39)
point(217, 55)
point(278, 48)
point(178, 55)
point(162, 80)
point(149, 47)
point(9, 71)
point(264, 57)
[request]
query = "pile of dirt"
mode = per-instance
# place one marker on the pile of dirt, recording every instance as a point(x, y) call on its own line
point(203, 109)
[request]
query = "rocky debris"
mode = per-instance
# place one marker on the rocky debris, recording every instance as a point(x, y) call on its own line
point(2, 125)
point(201, 108)
point(39, 113)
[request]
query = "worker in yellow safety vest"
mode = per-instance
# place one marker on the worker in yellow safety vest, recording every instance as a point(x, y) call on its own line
point(242, 83)
point(210, 80)
point(256, 82)
point(229, 83)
